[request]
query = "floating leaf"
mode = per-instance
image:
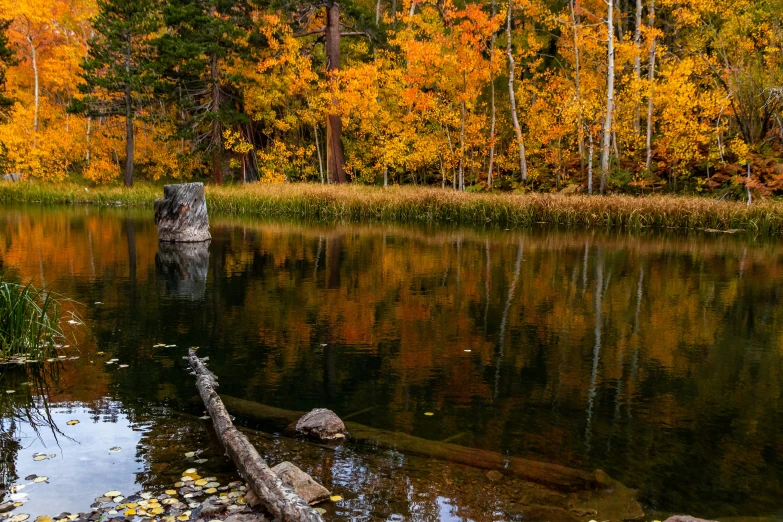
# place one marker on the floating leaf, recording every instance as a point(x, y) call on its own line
point(171, 491)
point(43, 519)
point(40, 457)
point(41, 479)
point(210, 491)
point(190, 454)
point(115, 449)
point(10, 391)
point(183, 517)
point(72, 422)
point(320, 511)
point(156, 511)
point(19, 518)
point(98, 353)
point(129, 512)
point(123, 366)
point(335, 498)
point(118, 498)
point(145, 495)
point(112, 494)
point(20, 487)
point(131, 505)
point(202, 482)
point(467, 351)
point(428, 413)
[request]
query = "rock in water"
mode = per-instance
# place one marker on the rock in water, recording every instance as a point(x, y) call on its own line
point(303, 484)
point(181, 215)
point(323, 424)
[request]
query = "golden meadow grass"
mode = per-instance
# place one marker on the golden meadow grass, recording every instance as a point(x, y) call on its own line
point(433, 205)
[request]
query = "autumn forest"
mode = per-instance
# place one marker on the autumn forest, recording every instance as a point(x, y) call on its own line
point(617, 95)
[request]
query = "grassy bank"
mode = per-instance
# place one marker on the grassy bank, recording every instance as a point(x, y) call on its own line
point(411, 204)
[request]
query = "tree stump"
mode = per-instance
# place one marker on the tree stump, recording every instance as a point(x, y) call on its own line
point(181, 216)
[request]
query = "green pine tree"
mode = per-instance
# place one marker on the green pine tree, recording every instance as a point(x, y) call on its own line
point(203, 42)
point(118, 74)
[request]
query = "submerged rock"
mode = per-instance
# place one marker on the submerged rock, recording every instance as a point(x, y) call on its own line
point(245, 517)
point(686, 518)
point(323, 424)
point(303, 484)
point(494, 475)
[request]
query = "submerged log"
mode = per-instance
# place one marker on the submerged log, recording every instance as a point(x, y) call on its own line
point(279, 500)
point(553, 475)
point(181, 215)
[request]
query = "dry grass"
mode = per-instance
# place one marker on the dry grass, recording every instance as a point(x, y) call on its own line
point(424, 205)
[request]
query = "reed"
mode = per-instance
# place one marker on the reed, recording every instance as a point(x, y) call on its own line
point(29, 322)
point(430, 205)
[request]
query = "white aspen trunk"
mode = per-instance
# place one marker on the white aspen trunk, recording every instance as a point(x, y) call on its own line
point(89, 133)
point(607, 137)
point(747, 186)
point(492, 106)
point(462, 148)
point(590, 165)
point(651, 79)
point(36, 92)
point(637, 62)
point(512, 96)
point(318, 150)
point(578, 88)
point(377, 12)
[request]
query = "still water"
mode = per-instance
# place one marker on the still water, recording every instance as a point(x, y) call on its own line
point(657, 358)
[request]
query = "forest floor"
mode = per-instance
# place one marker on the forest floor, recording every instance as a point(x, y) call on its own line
point(434, 205)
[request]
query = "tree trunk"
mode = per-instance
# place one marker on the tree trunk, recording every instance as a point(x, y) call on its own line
point(279, 500)
point(217, 131)
point(377, 12)
point(462, 147)
point(637, 63)
point(318, 149)
point(512, 96)
point(578, 89)
point(607, 137)
point(651, 79)
point(556, 476)
point(335, 155)
point(89, 133)
point(36, 91)
point(492, 106)
point(129, 149)
point(590, 164)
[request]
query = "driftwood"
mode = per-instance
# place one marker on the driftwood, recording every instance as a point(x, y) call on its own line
point(553, 475)
point(279, 500)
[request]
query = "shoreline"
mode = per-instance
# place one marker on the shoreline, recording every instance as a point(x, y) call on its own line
point(434, 205)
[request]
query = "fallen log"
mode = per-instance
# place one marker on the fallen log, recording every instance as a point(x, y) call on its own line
point(280, 501)
point(553, 475)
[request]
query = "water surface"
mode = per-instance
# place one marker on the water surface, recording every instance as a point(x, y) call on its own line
point(656, 358)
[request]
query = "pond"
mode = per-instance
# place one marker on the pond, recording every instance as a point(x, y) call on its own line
point(657, 358)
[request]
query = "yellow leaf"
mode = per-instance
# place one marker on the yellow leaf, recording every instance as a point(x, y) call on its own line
point(335, 498)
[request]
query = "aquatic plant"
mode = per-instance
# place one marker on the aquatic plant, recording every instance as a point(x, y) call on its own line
point(29, 321)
